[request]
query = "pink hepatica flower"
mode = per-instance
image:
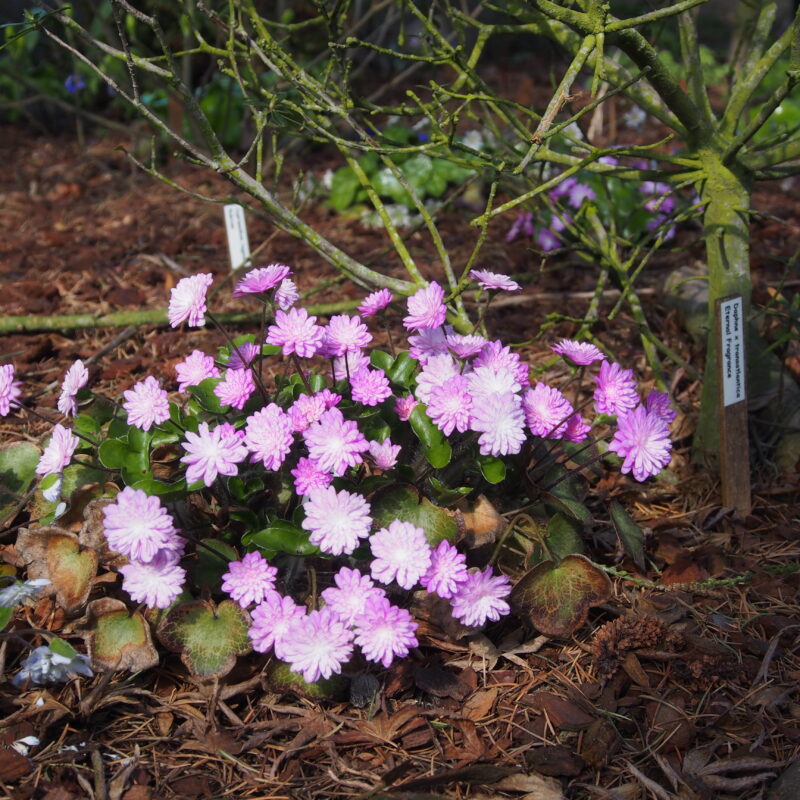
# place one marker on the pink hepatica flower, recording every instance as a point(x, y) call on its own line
point(658, 403)
point(147, 404)
point(261, 280)
point(493, 380)
point(436, 372)
point(448, 570)
point(271, 622)
point(546, 240)
point(580, 192)
point(385, 632)
point(347, 365)
point(296, 332)
point(194, 369)
point(351, 593)
point(384, 453)
point(403, 406)
point(547, 411)
point(9, 389)
point(337, 520)
point(370, 386)
point(375, 302)
point(308, 476)
point(187, 302)
point(335, 443)
point(345, 335)
point(467, 345)
point(426, 308)
point(494, 280)
point(450, 405)
point(212, 453)
point(642, 440)
point(76, 378)
point(242, 355)
point(286, 295)
point(268, 436)
point(305, 410)
point(616, 389)
point(499, 356)
point(401, 553)
point(58, 452)
point(500, 421)
point(249, 580)
point(577, 430)
point(522, 226)
point(317, 645)
point(481, 597)
point(428, 342)
point(235, 389)
point(155, 583)
point(581, 353)
point(138, 526)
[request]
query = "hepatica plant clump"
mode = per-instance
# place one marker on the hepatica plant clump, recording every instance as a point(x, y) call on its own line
point(304, 493)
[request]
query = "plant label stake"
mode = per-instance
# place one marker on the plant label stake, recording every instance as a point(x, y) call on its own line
point(734, 447)
point(238, 243)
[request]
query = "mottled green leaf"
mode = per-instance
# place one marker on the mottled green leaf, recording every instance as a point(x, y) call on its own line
point(405, 503)
point(630, 534)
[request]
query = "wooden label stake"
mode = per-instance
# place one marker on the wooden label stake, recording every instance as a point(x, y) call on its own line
point(734, 445)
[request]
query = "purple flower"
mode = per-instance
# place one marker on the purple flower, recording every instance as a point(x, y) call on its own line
point(426, 308)
point(370, 386)
point(563, 188)
point(500, 421)
point(481, 598)
point(337, 520)
point(344, 367)
point(580, 192)
point(156, 583)
point(345, 335)
point(296, 332)
point(494, 280)
point(642, 440)
point(403, 406)
point(522, 225)
point(268, 436)
point(261, 280)
point(658, 403)
point(577, 430)
point(317, 645)
point(582, 353)
point(286, 295)
point(448, 570)
point(616, 389)
point(467, 345)
point(308, 476)
point(427, 343)
point(436, 372)
point(271, 622)
point(235, 389)
point(58, 452)
point(331, 398)
point(498, 379)
point(351, 593)
point(375, 302)
point(450, 405)
point(305, 410)
point(138, 526)
point(249, 580)
point(546, 240)
point(147, 404)
point(242, 355)
point(499, 356)
point(9, 389)
point(384, 453)
point(547, 411)
point(76, 378)
point(384, 631)
point(212, 453)
point(187, 301)
point(194, 369)
point(335, 443)
point(401, 553)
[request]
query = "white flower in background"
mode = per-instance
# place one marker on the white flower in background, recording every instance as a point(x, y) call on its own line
point(634, 117)
point(45, 666)
point(473, 139)
point(19, 592)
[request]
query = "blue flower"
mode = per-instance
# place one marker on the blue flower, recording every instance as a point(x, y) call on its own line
point(74, 83)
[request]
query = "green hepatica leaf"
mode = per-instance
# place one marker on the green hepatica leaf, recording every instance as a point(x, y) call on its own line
point(563, 536)
point(112, 453)
point(557, 597)
point(281, 537)
point(402, 370)
point(630, 534)
point(404, 503)
point(213, 557)
point(493, 469)
point(117, 639)
point(282, 679)
point(17, 472)
point(204, 394)
point(208, 639)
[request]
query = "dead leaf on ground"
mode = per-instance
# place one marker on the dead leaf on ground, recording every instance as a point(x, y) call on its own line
point(563, 714)
point(555, 760)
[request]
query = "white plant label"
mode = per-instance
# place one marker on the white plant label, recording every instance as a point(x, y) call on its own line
point(732, 355)
point(236, 228)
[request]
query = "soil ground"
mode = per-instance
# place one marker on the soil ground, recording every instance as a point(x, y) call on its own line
point(670, 690)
